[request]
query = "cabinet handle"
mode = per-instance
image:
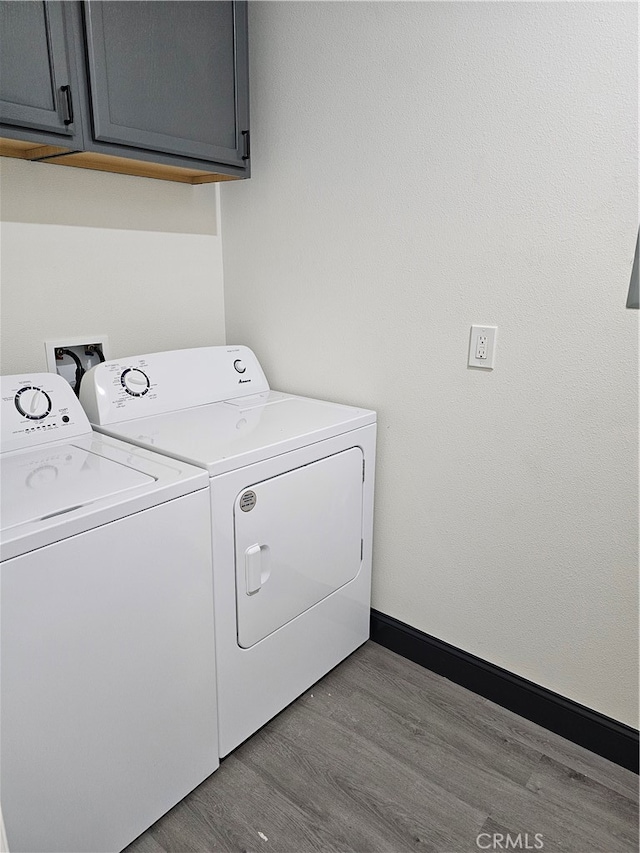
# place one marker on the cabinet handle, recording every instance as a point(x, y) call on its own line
point(67, 104)
point(247, 145)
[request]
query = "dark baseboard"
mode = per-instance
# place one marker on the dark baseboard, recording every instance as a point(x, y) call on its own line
point(600, 734)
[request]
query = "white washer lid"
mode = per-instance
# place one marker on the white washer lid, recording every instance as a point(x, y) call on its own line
point(224, 436)
point(54, 479)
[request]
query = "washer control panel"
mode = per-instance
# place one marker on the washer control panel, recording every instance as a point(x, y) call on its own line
point(123, 390)
point(37, 408)
point(33, 402)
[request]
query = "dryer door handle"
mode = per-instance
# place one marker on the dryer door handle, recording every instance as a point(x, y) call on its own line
point(256, 567)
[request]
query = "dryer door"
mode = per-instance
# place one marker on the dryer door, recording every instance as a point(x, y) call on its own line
point(298, 539)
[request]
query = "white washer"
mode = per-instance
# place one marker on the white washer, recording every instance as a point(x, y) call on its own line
point(108, 667)
point(291, 504)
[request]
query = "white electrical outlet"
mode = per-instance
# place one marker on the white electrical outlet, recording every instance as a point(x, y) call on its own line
point(482, 346)
point(86, 349)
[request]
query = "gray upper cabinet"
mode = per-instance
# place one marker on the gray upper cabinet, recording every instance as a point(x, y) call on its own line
point(157, 88)
point(169, 76)
point(37, 63)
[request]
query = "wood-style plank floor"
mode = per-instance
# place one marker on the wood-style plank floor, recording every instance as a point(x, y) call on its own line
point(383, 755)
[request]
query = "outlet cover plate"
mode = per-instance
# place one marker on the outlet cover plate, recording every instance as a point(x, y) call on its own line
point(482, 354)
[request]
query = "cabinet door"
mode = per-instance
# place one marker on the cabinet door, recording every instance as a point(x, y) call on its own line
point(36, 67)
point(170, 76)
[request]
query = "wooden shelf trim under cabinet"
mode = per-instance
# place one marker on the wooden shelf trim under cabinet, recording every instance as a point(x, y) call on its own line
point(28, 150)
point(108, 163)
point(141, 168)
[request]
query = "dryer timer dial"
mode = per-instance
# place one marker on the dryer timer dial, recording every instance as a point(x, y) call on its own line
point(135, 382)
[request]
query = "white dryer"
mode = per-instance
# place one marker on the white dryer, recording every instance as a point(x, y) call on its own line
point(108, 705)
point(291, 483)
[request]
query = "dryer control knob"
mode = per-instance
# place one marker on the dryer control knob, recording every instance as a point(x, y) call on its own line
point(135, 382)
point(239, 365)
point(33, 403)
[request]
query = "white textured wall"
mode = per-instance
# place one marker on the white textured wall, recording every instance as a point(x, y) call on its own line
point(87, 252)
point(419, 167)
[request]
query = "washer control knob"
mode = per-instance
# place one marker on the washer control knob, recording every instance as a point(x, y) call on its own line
point(135, 382)
point(239, 365)
point(33, 403)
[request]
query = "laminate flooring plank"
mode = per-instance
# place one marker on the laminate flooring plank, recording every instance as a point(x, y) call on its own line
point(319, 816)
point(372, 789)
point(555, 746)
point(493, 719)
point(334, 813)
point(566, 821)
point(383, 756)
point(235, 810)
point(473, 780)
point(589, 827)
point(607, 820)
point(473, 777)
point(429, 720)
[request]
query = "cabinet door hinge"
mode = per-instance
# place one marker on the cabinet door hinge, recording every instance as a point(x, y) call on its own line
point(247, 145)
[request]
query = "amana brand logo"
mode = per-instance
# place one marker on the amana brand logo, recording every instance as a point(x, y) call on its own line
point(502, 841)
point(242, 381)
